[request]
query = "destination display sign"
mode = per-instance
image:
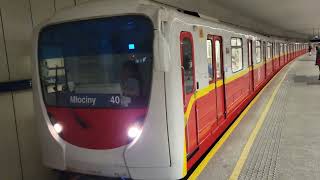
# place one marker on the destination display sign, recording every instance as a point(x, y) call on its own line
point(92, 100)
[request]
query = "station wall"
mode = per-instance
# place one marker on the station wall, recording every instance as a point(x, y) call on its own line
point(19, 147)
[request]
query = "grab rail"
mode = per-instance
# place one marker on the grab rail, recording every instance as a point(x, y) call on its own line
point(15, 85)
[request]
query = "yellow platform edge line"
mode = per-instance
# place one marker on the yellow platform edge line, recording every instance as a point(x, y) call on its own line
point(227, 134)
point(218, 145)
point(246, 150)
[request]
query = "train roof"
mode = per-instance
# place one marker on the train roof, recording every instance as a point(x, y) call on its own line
point(102, 8)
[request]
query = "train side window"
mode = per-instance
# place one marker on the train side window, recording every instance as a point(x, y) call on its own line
point(285, 49)
point(269, 45)
point(258, 51)
point(264, 49)
point(273, 49)
point(289, 48)
point(218, 58)
point(188, 64)
point(236, 54)
point(209, 59)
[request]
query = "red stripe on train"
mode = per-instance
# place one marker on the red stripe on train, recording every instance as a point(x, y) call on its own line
point(96, 128)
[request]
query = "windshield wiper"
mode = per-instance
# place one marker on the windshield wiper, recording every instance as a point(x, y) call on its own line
point(80, 121)
point(66, 88)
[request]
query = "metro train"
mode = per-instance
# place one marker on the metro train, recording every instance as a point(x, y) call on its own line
point(137, 89)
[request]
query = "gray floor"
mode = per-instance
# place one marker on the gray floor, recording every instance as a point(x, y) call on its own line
point(288, 144)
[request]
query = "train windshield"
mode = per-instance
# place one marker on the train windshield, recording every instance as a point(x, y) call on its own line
point(103, 62)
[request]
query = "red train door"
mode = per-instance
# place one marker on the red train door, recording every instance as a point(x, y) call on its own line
point(206, 105)
point(188, 84)
point(250, 63)
point(219, 78)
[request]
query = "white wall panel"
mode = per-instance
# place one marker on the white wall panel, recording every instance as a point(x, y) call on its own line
point(41, 10)
point(17, 123)
point(60, 4)
point(10, 168)
point(4, 74)
point(28, 138)
point(17, 30)
point(82, 1)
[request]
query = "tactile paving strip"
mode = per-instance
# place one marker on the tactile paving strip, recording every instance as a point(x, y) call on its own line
point(262, 160)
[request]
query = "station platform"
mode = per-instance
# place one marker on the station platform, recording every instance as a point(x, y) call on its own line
point(277, 136)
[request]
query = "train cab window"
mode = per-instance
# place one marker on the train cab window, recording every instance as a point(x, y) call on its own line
point(108, 60)
point(209, 60)
point(258, 51)
point(188, 64)
point(236, 54)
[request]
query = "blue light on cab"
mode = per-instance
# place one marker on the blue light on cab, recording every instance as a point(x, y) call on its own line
point(131, 47)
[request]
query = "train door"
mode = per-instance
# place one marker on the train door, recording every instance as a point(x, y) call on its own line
point(250, 63)
point(206, 106)
point(188, 84)
point(219, 78)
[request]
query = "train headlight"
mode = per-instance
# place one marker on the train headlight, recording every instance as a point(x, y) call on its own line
point(134, 132)
point(58, 128)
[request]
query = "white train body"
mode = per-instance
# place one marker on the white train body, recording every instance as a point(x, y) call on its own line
point(159, 150)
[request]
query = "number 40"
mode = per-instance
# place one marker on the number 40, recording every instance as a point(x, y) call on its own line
point(115, 100)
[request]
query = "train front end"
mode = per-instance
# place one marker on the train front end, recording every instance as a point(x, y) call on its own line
point(98, 99)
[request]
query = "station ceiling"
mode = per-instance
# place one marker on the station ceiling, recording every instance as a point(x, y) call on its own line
point(291, 15)
point(294, 19)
